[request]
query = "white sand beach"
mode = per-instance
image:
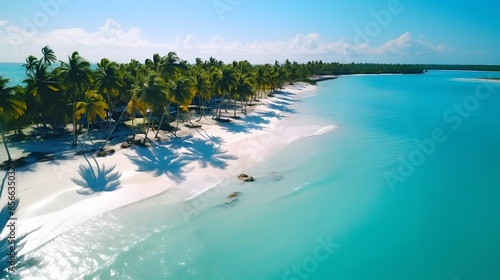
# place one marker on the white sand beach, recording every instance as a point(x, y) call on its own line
point(51, 202)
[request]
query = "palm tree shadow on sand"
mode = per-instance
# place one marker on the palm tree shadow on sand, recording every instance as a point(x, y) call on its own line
point(271, 114)
point(160, 161)
point(249, 124)
point(207, 153)
point(282, 108)
point(18, 262)
point(97, 179)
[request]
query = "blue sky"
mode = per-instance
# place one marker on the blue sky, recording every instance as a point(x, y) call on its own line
point(385, 31)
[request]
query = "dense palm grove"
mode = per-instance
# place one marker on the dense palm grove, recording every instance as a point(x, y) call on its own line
point(74, 92)
point(57, 93)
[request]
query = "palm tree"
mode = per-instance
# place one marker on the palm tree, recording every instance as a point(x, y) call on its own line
point(155, 63)
point(76, 75)
point(282, 76)
point(244, 89)
point(171, 66)
point(108, 82)
point(202, 87)
point(134, 74)
point(262, 79)
point(224, 85)
point(10, 106)
point(182, 94)
point(43, 87)
point(31, 64)
point(135, 103)
point(153, 92)
point(94, 106)
point(49, 56)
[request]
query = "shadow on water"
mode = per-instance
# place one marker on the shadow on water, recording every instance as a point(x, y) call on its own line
point(160, 160)
point(97, 179)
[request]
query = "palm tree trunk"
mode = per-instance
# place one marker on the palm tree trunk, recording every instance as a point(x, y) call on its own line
point(199, 104)
point(227, 105)
point(86, 136)
point(54, 127)
point(161, 119)
point(202, 110)
point(147, 130)
point(110, 112)
point(113, 130)
point(74, 119)
point(133, 128)
point(218, 111)
point(234, 108)
point(5, 142)
point(215, 113)
point(177, 127)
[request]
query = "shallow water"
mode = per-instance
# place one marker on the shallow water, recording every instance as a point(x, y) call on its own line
point(323, 207)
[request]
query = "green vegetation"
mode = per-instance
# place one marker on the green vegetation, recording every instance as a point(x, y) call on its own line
point(462, 67)
point(11, 107)
point(320, 68)
point(62, 97)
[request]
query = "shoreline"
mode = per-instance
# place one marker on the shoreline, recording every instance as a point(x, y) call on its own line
point(497, 80)
point(51, 205)
point(320, 78)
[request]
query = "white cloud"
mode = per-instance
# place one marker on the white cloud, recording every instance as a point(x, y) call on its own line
point(113, 41)
point(3, 22)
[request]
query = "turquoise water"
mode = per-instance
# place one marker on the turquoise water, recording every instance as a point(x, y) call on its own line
point(14, 72)
point(323, 207)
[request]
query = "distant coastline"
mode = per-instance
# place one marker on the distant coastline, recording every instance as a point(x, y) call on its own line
point(323, 78)
point(491, 79)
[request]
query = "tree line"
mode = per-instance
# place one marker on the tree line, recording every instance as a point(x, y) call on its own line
point(57, 93)
point(335, 68)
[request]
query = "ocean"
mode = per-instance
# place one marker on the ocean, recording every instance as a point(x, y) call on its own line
point(406, 187)
point(15, 72)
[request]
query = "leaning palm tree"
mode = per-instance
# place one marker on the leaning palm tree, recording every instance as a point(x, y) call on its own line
point(11, 106)
point(94, 106)
point(182, 94)
point(76, 75)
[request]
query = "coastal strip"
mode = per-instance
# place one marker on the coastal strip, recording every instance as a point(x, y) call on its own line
point(52, 205)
